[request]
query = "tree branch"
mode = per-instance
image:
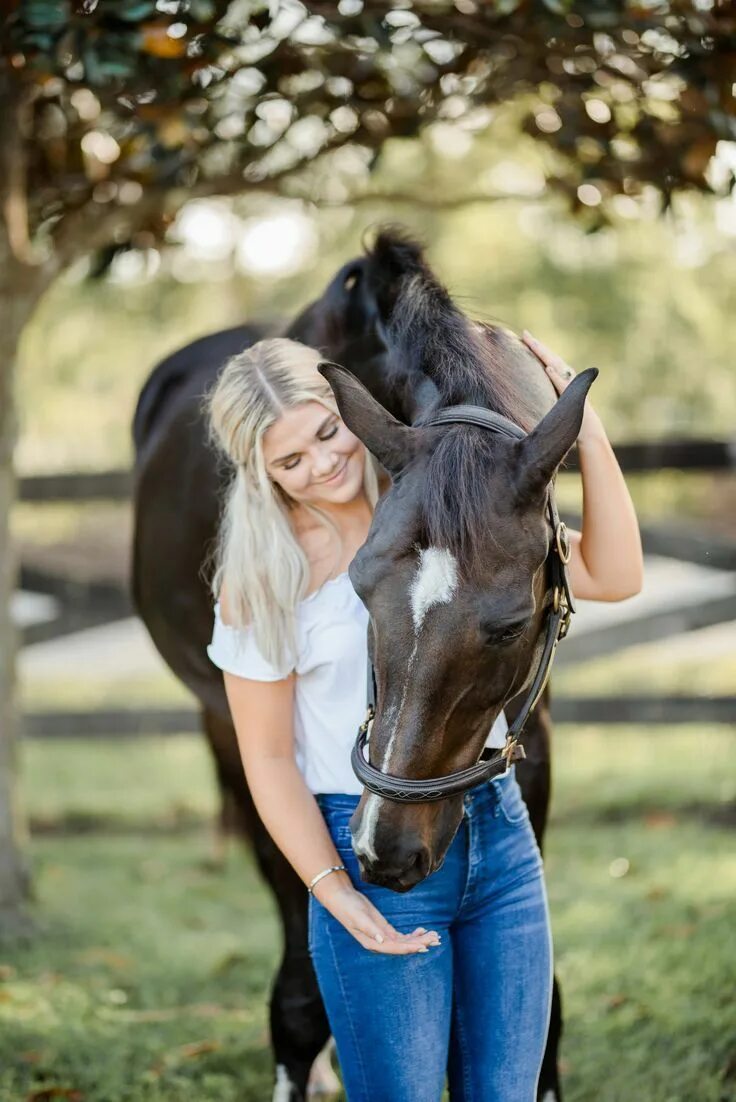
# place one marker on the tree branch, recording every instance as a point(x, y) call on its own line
point(425, 202)
point(13, 170)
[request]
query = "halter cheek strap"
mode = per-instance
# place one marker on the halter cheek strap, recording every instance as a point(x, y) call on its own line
point(560, 610)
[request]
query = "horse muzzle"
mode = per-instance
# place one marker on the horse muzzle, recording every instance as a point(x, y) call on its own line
point(396, 847)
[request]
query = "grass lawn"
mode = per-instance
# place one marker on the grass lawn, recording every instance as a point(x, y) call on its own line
point(149, 975)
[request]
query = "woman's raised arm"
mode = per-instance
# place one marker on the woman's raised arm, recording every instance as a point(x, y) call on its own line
point(606, 562)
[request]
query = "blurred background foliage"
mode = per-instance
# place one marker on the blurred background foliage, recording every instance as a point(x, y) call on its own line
point(208, 95)
point(258, 141)
point(649, 298)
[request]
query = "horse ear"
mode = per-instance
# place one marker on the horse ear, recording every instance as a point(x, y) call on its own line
point(542, 451)
point(392, 443)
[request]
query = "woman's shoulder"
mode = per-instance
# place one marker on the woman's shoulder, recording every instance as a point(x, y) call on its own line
point(329, 593)
point(331, 590)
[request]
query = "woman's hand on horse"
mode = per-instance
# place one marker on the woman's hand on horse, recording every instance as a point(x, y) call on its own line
point(368, 926)
point(560, 374)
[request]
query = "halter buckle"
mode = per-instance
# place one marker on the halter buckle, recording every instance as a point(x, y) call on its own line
point(512, 751)
point(562, 542)
point(560, 601)
point(369, 717)
point(565, 622)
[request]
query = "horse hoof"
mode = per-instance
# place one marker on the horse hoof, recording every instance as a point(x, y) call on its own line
point(323, 1082)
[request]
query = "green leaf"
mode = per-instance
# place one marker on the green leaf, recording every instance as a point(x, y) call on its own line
point(46, 15)
point(558, 7)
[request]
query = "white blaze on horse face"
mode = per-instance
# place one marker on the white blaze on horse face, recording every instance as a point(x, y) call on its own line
point(363, 840)
point(435, 583)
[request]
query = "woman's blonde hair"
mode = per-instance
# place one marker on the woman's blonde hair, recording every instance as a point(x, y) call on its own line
point(257, 557)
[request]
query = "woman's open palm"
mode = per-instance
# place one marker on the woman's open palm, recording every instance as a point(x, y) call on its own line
point(368, 926)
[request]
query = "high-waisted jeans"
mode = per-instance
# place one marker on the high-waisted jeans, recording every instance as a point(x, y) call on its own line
point(475, 1008)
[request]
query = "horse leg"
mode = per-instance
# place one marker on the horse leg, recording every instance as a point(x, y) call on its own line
point(534, 775)
point(299, 1027)
point(549, 1089)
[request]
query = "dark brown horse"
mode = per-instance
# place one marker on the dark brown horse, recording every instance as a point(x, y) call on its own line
point(454, 571)
point(178, 490)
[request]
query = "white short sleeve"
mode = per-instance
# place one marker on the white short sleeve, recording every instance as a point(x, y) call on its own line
point(497, 734)
point(234, 650)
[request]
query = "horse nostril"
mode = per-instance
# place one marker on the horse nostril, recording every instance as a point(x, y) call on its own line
point(406, 869)
point(419, 863)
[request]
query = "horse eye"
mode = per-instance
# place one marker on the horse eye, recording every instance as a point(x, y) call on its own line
point(502, 636)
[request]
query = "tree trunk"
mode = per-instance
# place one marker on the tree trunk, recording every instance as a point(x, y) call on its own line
point(20, 289)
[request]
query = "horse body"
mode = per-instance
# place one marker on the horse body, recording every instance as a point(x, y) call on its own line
point(178, 488)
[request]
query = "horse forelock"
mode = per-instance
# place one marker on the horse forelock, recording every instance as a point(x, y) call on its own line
point(478, 363)
point(427, 332)
point(456, 492)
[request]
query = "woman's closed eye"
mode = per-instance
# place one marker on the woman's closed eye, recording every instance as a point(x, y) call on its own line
point(293, 461)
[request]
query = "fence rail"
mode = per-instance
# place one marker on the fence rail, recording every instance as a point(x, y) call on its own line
point(77, 486)
point(635, 456)
point(89, 604)
point(655, 711)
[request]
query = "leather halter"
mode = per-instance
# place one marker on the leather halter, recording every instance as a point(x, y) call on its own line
point(408, 790)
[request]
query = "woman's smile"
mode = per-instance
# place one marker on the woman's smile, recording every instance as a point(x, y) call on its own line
point(336, 477)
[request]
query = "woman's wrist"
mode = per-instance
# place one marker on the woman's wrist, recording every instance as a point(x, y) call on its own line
point(591, 430)
point(326, 871)
point(332, 886)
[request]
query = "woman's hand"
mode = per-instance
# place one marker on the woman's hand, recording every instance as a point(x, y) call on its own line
point(366, 923)
point(560, 374)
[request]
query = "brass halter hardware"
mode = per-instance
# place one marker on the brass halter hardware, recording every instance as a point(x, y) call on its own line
point(369, 716)
point(562, 541)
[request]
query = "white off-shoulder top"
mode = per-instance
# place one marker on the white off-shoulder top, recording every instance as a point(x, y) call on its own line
point(330, 664)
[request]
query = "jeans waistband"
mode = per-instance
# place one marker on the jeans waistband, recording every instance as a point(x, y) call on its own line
point(337, 801)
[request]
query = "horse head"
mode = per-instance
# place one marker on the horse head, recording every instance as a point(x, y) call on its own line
point(453, 570)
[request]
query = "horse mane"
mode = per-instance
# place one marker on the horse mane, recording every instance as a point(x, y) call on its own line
point(469, 362)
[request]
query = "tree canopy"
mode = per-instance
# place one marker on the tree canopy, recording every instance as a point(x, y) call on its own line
point(115, 110)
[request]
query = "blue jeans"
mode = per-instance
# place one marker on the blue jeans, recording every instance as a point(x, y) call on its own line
point(475, 1008)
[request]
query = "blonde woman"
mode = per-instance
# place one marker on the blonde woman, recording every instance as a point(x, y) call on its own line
point(290, 637)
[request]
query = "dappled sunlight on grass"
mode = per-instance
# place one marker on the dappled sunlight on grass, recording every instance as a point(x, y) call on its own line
point(146, 783)
point(149, 978)
point(642, 883)
point(646, 974)
point(606, 772)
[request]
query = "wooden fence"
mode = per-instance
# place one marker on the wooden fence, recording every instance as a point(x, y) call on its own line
point(84, 605)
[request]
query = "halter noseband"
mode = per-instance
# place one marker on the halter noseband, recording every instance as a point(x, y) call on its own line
point(407, 790)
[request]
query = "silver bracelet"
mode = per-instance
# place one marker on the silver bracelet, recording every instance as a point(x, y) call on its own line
point(325, 872)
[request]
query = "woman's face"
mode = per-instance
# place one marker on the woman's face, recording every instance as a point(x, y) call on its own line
point(313, 456)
